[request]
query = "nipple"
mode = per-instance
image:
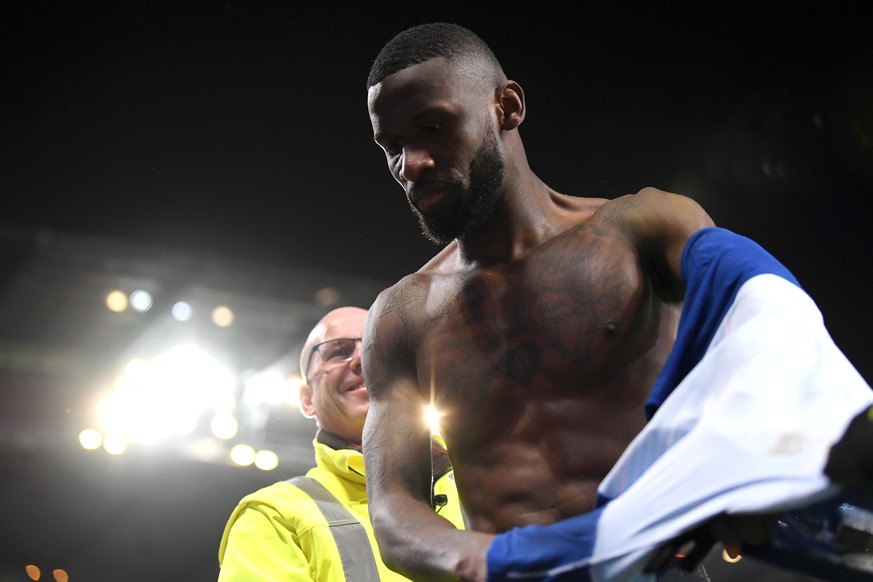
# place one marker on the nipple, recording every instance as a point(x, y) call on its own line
point(611, 328)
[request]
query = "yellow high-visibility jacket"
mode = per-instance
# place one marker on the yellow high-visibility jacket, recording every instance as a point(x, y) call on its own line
point(282, 533)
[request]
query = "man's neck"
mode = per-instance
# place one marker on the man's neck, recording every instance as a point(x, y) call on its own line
point(521, 222)
point(335, 442)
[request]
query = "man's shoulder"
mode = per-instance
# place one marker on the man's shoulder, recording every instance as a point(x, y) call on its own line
point(645, 197)
point(587, 210)
point(288, 495)
point(651, 206)
point(276, 494)
point(439, 268)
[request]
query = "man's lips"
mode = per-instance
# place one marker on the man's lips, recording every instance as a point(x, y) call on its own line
point(429, 194)
point(429, 200)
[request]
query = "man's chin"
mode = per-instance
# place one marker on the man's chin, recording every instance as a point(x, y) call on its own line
point(437, 238)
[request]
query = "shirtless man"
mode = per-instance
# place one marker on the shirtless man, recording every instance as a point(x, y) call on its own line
point(537, 331)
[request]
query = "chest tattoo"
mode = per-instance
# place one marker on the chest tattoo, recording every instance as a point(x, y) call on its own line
point(521, 363)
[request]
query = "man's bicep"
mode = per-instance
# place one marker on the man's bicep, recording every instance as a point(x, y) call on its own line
point(397, 441)
point(385, 356)
point(396, 434)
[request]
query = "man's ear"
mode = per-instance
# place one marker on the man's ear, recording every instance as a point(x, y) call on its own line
point(307, 408)
point(510, 105)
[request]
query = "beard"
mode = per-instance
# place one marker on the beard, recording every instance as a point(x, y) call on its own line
point(475, 203)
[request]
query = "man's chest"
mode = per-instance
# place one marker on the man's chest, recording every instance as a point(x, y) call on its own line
point(557, 313)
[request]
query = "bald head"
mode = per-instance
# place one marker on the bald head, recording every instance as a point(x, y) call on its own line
point(339, 318)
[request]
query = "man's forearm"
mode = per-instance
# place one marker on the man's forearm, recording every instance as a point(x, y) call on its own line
point(422, 545)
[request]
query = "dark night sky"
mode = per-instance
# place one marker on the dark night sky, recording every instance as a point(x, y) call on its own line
point(240, 128)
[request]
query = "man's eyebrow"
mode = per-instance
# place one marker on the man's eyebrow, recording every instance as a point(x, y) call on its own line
point(422, 114)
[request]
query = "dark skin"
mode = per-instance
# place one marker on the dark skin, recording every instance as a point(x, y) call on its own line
point(537, 331)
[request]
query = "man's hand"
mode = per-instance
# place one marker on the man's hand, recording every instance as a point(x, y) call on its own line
point(735, 530)
point(732, 531)
point(850, 461)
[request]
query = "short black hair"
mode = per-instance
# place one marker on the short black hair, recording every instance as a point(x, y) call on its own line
point(427, 41)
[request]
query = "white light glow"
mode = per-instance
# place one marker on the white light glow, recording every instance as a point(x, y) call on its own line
point(266, 460)
point(432, 418)
point(166, 396)
point(90, 439)
point(224, 425)
point(242, 455)
point(267, 387)
point(114, 444)
point(141, 300)
point(181, 311)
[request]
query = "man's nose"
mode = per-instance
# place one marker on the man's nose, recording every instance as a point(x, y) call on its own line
point(355, 362)
point(415, 161)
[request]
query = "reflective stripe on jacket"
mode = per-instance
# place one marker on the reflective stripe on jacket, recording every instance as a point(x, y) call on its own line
point(282, 533)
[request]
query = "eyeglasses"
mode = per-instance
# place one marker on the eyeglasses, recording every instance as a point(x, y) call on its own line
point(335, 351)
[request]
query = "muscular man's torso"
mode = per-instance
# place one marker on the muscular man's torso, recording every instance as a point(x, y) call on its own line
point(540, 369)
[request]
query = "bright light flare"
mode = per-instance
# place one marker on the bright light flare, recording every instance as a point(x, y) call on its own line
point(432, 418)
point(165, 396)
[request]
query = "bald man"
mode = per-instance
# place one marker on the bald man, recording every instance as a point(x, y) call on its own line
point(317, 527)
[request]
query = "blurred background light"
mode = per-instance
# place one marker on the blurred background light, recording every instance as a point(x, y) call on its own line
point(224, 425)
point(141, 300)
point(157, 398)
point(267, 387)
point(90, 439)
point(242, 455)
point(222, 316)
point(266, 460)
point(116, 301)
point(327, 296)
point(181, 311)
point(115, 444)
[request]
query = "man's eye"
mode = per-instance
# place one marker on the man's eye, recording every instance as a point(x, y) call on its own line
point(339, 352)
point(433, 127)
point(394, 149)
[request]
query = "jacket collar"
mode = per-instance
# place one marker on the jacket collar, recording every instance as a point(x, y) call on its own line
point(335, 442)
point(339, 456)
